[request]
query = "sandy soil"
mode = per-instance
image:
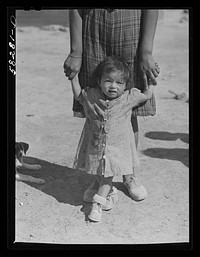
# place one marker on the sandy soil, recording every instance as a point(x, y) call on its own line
point(55, 212)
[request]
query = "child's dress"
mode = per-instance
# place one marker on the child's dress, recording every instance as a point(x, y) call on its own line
point(107, 145)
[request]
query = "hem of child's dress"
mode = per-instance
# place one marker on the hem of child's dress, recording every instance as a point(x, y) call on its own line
point(106, 175)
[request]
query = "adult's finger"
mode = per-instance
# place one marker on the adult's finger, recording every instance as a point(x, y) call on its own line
point(157, 68)
point(145, 81)
point(151, 79)
point(155, 73)
point(65, 65)
point(67, 72)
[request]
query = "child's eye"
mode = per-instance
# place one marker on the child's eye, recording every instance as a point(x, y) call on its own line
point(120, 82)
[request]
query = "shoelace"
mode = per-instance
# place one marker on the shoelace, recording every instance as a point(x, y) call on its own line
point(134, 180)
point(97, 206)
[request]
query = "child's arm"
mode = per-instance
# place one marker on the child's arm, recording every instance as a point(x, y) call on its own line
point(143, 97)
point(136, 98)
point(92, 110)
point(76, 88)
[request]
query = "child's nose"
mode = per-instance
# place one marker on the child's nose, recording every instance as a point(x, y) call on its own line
point(114, 84)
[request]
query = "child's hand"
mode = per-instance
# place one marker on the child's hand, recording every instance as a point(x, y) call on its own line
point(91, 110)
point(148, 92)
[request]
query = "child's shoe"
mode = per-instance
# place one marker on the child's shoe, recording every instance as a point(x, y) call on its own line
point(111, 199)
point(90, 192)
point(136, 189)
point(96, 211)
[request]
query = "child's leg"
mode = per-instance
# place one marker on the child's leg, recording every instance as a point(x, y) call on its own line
point(105, 186)
point(92, 189)
point(99, 199)
point(134, 123)
point(106, 190)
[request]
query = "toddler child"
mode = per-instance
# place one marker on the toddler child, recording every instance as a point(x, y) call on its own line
point(107, 145)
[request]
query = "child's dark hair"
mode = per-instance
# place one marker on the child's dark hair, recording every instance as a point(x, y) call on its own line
point(111, 64)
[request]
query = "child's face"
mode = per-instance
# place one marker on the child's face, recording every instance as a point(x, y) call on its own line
point(112, 84)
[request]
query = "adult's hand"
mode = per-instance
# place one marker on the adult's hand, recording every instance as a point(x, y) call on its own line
point(149, 70)
point(72, 66)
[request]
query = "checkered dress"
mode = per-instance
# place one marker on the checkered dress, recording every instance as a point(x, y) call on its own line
point(109, 32)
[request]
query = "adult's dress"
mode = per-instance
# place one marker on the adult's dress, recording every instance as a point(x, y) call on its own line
point(107, 32)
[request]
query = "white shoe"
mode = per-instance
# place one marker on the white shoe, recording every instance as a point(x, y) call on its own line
point(137, 191)
point(96, 211)
point(111, 200)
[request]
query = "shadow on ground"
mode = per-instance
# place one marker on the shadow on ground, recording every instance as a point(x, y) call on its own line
point(176, 154)
point(65, 184)
point(168, 136)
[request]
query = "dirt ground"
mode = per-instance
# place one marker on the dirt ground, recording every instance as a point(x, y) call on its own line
point(55, 212)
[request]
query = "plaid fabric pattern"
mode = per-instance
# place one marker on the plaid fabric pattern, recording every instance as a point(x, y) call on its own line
point(107, 33)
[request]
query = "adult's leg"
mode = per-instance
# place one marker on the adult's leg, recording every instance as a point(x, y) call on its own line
point(134, 123)
point(135, 188)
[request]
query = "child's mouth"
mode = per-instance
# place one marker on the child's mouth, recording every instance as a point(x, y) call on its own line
point(112, 91)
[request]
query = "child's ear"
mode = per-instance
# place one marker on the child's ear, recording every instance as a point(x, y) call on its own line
point(98, 83)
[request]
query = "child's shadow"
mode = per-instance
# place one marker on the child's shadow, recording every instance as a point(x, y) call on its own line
point(65, 184)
